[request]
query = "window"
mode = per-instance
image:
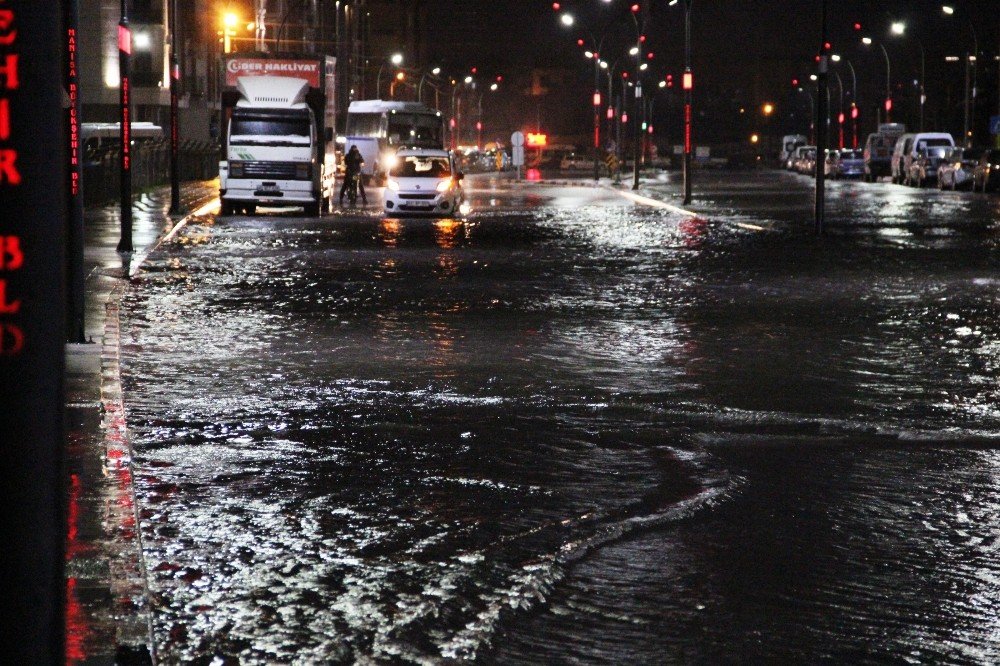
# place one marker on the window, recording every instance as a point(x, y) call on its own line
point(422, 167)
point(272, 125)
point(364, 124)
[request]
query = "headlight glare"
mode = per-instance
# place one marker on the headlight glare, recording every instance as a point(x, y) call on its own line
point(444, 185)
point(392, 185)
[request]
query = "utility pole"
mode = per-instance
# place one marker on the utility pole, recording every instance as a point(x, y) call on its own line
point(75, 277)
point(688, 85)
point(822, 116)
point(175, 81)
point(125, 116)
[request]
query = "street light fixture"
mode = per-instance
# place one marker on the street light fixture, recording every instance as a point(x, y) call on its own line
point(969, 60)
point(396, 59)
point(899, 29)
point(867, 41)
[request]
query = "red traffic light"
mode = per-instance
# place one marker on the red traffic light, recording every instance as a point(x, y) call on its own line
point(857, 26)
point(795, 82)
point(854, 112)
point(579, 42)
point(555, 6)
point(635, 8)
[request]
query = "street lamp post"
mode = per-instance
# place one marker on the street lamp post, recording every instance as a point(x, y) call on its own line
point(969, 59)
point(840, 109)
point(867, 41)
point(396, 59)
point(125, 118)
point(688, 85)
point(899, 29)
point(175, 80)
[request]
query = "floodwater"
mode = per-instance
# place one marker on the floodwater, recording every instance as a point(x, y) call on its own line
point(575, 429)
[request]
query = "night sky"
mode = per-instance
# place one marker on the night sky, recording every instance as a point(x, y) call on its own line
point(744, 52)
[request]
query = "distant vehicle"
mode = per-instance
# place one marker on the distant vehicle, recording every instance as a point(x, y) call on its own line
point(908, 150)
point(805, 162)
point(956, 173)
point(846, 163)
point(928, 157)
point(794, 157)
point(878, 149)
point(789, 143)
point(379, 128)
point(100, 137)
point(575, 161)
point(423, 181)
point(986, 175)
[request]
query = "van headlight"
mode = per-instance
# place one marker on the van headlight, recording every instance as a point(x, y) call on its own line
point(303, 171)
point(444, 185)
point(392, 185)
point(236, 169)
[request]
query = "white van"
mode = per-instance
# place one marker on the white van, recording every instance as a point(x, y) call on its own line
point(911, 146)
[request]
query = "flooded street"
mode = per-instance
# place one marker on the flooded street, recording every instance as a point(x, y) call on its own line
point(575, 429)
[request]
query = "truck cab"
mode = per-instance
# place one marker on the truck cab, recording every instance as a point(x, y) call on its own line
point(278, 146)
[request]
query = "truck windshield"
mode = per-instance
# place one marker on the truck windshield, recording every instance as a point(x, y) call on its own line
point(270, 125)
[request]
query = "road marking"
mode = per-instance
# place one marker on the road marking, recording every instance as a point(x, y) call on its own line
point(655, 203)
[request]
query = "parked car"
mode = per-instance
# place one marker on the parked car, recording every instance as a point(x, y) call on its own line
point(423, 181)
point(955, 173)
point(805, 163)
point(899, 149)
point(910, 147)
point(924, 167)
point(794, 157)
point(846, 163)
point(878, 150)
point(575, 162)
point(986, 175)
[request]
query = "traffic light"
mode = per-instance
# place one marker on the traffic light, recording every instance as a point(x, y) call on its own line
point(635, 8)
point(795, 83)
point(687, 82)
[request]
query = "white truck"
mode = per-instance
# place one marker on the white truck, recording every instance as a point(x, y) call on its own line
point(278, 143)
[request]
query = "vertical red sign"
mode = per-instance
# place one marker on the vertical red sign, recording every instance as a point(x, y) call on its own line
point(33, 183)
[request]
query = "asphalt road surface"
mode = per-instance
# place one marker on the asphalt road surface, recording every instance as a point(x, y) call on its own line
point(575, 428)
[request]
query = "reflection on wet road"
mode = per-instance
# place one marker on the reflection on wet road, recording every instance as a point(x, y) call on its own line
point(573, 428)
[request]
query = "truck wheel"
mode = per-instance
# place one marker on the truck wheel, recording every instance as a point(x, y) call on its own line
point(226, 209)
point(312, 209)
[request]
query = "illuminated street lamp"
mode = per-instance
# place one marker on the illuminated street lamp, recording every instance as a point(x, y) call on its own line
point(898, 28)
point(969, 60)
point(867, 41)
point(396, 59)
point(229, 21)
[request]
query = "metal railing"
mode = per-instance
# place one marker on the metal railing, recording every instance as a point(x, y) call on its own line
point(198, 160)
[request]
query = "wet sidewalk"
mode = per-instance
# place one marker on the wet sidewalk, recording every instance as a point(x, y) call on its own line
point(107, 605)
